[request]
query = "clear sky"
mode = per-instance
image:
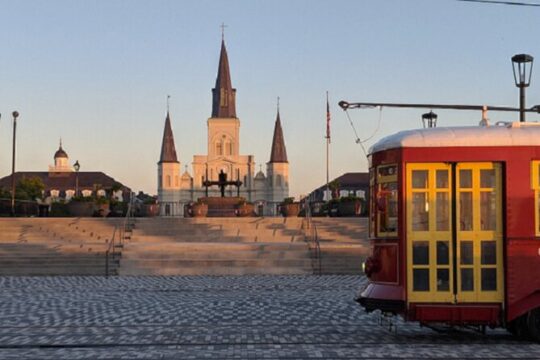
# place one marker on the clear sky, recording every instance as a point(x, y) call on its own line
point(97, 73)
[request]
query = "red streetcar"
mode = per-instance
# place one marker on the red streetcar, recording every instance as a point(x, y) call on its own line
point(455, 227)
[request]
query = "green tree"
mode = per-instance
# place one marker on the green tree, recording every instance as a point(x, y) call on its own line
point(334, 189)
point(29, 188)
point(4, 193)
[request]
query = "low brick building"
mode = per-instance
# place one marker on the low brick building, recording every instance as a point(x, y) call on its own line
point(62, 181)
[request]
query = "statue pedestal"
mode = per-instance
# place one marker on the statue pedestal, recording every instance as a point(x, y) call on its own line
point(222, 206)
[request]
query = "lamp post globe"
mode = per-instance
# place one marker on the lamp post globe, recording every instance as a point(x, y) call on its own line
point(430, 118)
point(522, 65)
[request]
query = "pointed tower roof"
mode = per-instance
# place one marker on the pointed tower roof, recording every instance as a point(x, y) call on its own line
point(168, 150)
point(60, 153)
point(279, 153)
point(223, 94)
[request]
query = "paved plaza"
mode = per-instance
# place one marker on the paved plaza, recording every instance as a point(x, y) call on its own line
point(255, 317)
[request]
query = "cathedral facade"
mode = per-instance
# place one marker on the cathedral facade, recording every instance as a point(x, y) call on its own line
point(266, 191)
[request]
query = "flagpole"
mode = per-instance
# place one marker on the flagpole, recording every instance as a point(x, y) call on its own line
point(327, 146)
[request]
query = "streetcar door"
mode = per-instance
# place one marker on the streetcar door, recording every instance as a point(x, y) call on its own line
point(429, 236)
point(479, 232)
point(454, 249)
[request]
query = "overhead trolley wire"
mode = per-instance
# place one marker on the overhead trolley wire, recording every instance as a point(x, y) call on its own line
point(497, 2)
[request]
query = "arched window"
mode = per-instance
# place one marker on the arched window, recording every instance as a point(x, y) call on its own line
point(176, 180)
point(70, 194)
point(279, 180)
point(55, 193)
point(86, 193)
point(219, 148)
point(230, 148)
point(168, 180)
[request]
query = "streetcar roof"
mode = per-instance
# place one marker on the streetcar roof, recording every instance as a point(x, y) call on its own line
point(505, 134)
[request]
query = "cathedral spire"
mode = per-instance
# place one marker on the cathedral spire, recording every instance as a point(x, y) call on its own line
point(168, 150)
point(223, 94)
point(279, 153)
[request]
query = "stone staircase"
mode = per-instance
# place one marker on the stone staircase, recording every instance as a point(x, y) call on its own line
point(55, 246)
point(344, 244)
point(217, 246)
point(180, 246)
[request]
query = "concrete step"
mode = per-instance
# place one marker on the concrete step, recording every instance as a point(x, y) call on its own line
point(55, 271)
point(220, 239)
point(188, 263)
point(212, 271)
point(217, 255)
point(179, 247)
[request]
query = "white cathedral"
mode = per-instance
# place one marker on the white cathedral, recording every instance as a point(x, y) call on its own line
point(265, 191)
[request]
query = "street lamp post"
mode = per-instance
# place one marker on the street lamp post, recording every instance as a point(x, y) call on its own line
point(77, 167)
point(15, 116)
point(522, 66)
point(430, 118)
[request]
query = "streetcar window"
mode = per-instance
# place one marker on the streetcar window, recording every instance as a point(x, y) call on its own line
point(489, 279)
point(386, 200)
point(488, 252)
point(535, 184)
point(420, 215)
point(465, 178)
point(488, 210)
point(442, 211)
point(419, 179)
point(466, 250)
point(442, 179)
point(465, 211)
point(487, 178)
point(443, 253)
point(467, 279)
point(421, 253)
point(421, 279)
point(443, 279)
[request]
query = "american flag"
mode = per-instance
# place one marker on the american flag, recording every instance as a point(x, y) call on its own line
point(327, 118)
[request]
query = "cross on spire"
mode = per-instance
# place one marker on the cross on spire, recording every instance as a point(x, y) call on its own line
point(168, 97)
point(278, 103)
point(223, 26)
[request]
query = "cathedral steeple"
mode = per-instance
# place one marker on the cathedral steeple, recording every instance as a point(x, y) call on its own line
point(168, 150)
point(223, 94)
point(279, 153)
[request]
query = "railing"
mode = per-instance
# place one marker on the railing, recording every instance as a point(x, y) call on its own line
point(22, 207)
point(118, 237)
point(108, 253)
point(127, 224)
point(310, 232)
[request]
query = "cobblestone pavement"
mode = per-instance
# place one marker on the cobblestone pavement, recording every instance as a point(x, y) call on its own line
point(255, 317)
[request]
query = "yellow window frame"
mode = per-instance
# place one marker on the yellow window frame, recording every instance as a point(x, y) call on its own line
point(476, 235)
point(535, 186)
point(431, 236)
